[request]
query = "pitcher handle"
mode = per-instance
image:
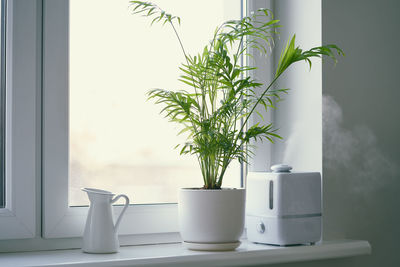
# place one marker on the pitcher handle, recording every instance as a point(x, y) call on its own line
point(123, 210)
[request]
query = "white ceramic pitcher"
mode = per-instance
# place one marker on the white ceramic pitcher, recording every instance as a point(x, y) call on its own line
point(100, 235)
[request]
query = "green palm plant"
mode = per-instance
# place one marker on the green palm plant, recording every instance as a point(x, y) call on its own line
point(223, 93)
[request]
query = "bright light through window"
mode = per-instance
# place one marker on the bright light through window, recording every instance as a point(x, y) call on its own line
point(118, 140)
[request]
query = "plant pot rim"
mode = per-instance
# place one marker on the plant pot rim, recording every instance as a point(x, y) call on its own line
point(198, 189)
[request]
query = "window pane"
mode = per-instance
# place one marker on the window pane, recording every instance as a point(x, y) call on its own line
point(2, 108)
point(118, 140)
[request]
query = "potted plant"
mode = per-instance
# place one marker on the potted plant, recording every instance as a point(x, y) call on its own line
point(222, 96)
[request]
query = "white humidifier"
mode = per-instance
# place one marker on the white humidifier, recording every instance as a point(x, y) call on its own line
point(283, 207)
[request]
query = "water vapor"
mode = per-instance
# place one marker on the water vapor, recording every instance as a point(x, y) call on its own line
point(353, 152)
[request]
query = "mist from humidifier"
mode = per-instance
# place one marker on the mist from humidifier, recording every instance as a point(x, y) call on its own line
point(355, 151)
point(291, 145)
point(302, 141)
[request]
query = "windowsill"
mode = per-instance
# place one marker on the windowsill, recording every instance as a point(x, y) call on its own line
point(175, 254)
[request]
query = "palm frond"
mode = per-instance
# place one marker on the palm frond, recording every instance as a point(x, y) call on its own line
point(222, 93)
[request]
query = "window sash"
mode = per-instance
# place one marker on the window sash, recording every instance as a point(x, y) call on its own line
point(60, 220)
point(22, 115)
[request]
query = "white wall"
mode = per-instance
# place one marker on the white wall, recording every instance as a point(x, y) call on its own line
point(299, 117)
point(301, 145)
point(263, 74)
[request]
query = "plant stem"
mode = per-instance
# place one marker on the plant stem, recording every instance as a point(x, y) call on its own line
point(179, 40)
point(256, 104)
point(186, 58)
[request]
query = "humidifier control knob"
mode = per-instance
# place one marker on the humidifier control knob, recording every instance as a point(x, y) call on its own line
point(281, 168)
point(261, 227)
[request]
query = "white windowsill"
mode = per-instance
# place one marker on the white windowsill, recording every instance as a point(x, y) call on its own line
point(176, 255)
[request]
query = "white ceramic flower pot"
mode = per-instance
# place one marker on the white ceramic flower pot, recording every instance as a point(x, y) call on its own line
point(211, 219)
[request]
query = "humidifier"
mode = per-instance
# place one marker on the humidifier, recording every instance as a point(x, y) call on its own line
point(283, 207)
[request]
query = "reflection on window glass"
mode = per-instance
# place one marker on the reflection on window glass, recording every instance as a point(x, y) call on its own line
point(118, 140)
point(2, 108)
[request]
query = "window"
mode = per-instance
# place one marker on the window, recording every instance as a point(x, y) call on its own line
point(99, 131)
point(43, 59)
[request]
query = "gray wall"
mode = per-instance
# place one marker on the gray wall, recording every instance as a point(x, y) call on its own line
point(361, 129)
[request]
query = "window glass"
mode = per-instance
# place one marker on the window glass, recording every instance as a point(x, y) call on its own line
point(2, 107)
point(118, 140)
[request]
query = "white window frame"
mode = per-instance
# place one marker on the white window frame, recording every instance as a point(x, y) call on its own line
point(60, 220)
point(18, 218)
